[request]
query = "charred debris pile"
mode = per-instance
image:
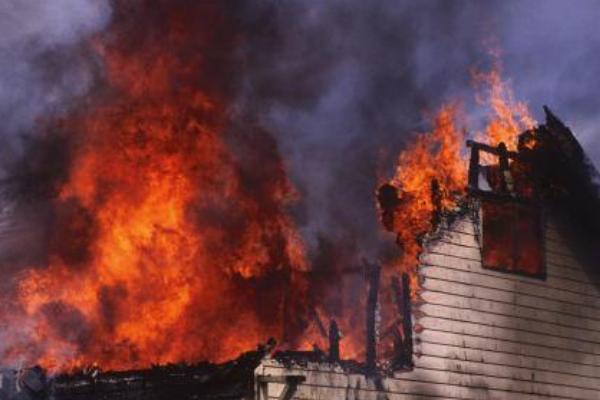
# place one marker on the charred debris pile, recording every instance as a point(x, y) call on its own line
point(230, 380)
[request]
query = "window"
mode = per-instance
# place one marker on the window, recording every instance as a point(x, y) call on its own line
point(512, 237)
point(511, 230)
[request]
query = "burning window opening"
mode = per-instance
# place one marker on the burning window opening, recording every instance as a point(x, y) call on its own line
point(511, 211)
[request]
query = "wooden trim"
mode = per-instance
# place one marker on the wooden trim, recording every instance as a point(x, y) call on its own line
point(493, 150)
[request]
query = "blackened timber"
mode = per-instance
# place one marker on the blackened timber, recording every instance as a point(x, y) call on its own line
point(491, 149)
point(389, 201)
point(373, 277)
point(285, 304)
point(407, 319)
point(320, 324)
point(334, 341)
point(403, 341)
point(233, 380)
point(474, 167)
point(436, 199)
point(506, 191)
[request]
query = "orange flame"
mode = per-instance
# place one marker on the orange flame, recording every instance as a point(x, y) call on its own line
point(433, 155)
point(437, 156)
point(508, 117)
point(166, 251)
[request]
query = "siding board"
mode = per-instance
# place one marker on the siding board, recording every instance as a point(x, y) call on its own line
point(558, 278)
point(509, 309)
point(543, 369)
point(514, 286)
point(511, 348)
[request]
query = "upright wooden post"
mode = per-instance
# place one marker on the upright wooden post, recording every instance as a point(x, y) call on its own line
point(334, 341)
point(436, 199)
point(373, 277)
point(403, 340)
point(474, 167)
point(508, 184)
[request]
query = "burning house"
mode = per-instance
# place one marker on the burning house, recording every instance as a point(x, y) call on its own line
point(503, 304)
point(152, 230)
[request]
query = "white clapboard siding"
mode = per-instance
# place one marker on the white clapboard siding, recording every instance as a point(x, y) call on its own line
point(552, 284)
point(510, 322)
point(502, 296)
point(532, 352)
point(542, 366)
point(467, 250)
point(516, 335)
point(489, 369)
point(531, 314)
point(423, 381)
point(481, 333)
point(513, 286)
point(570, 279)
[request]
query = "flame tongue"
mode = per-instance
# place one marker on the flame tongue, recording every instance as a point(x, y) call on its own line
point(431, 172)
point(432, 157)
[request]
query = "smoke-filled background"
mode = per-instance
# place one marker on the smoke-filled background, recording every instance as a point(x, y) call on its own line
point(339, 85)
point(47, 67)
point(343, 84)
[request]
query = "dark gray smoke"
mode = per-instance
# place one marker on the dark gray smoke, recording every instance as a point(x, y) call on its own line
point(342, 82)
point(43, 65)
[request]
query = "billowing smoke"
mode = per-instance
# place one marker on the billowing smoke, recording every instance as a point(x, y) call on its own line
point(44, 65)
point(46, 68)
point(342, 84)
